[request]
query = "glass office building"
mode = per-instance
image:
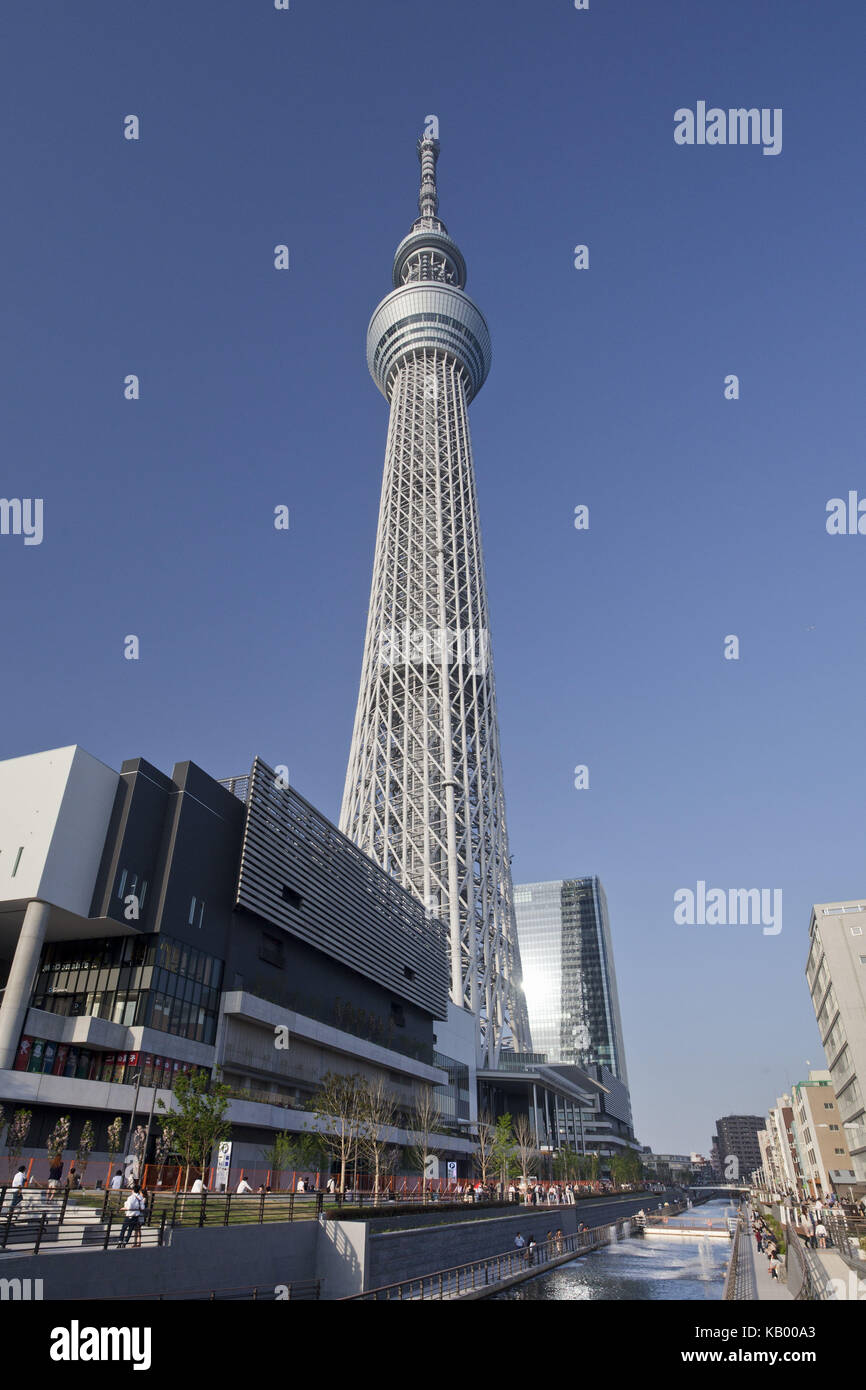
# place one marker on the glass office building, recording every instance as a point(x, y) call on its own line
point(568, 973)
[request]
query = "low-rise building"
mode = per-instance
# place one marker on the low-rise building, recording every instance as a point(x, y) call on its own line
point(153, 925)
point(819, 1136)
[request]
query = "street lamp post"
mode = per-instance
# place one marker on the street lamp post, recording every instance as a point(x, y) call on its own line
point(137, 1079)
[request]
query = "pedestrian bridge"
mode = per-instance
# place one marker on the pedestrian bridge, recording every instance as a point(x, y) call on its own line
point(720, 1187)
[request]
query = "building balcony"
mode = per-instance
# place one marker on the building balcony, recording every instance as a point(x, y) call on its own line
point(254, 1009)
point(89, 1030)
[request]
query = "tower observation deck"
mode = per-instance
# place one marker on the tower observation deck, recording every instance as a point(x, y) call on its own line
point(423, 794)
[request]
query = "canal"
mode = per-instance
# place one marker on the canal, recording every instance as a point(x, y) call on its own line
point(642, 1267)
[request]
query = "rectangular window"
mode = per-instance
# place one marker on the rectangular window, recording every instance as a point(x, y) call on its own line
point(290, 896)
point(271, 950)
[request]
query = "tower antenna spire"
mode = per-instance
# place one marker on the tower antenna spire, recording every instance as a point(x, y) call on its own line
point(428, 197)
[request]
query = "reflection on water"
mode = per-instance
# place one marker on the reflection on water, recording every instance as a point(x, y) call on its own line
point(642, 1268)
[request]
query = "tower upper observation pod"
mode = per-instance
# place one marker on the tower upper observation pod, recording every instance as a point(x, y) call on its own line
point(428, 308)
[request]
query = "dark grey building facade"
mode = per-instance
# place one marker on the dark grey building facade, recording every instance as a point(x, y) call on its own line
point(164, 924)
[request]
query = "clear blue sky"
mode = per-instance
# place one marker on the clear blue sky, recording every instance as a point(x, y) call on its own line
point(707, 516)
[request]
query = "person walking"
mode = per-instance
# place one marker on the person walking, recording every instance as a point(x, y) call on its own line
point(139, 1215)
point(530, 1250)
point(519, 1244)
point(133, 1208)
point(775, 1265)
point(244, 1186)
point(558, 1241)
point(19, 1182)
point(55, 1173)
point(117, 1181)
point(821, 1233)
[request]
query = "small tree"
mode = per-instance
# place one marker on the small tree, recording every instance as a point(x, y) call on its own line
point(16, 1135)
point(280, 1156)
point(289, 1150)
point(526, 1146)
point(58, 1138)
point(483, 1157)
point(115, 1138)
point(425, 1120)
point(198, 1118)
point(164, 1147)
point(85, 1148)
point(337, 1110)
point(503, 1147)
point(139, 1139)
point(378, 1112)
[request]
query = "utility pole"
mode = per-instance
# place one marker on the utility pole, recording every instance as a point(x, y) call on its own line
point(137, 1079)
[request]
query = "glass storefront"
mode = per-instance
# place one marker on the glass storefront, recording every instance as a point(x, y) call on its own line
point(136, 981)
point(86, 1064)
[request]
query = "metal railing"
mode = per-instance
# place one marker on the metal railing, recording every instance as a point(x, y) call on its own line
point(845, 1233)
point(300, 1290)
point(35, 1223)
point(810, 1288)
point(731, 1283)
point(480, 1276)
point(175, 1209)
point(28, 1232)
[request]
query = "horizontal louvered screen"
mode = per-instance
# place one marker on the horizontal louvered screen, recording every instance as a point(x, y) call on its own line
point(349, 908)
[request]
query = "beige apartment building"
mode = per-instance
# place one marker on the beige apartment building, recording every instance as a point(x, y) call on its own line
point(836, 975)
point(822, 1147)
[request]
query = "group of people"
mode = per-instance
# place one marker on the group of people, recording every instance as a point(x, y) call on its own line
point(554, 1244)
point(55, 1183)
point(766, 1243)
point(534, 1195)
point(531, 1193)
point(55, 1178)
point(811, 1226)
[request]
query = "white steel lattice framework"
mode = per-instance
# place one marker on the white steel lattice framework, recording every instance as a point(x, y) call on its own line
point(423, 793)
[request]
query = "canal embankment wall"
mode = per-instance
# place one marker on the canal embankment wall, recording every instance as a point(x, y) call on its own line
point(348, 1257)
point(403, 1254)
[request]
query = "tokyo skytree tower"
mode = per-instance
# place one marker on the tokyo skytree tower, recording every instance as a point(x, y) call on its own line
point(423, 794)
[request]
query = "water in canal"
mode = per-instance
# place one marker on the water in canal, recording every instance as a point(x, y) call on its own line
point(642, 1267)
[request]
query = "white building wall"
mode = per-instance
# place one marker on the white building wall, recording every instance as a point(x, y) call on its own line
point(54, 813)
